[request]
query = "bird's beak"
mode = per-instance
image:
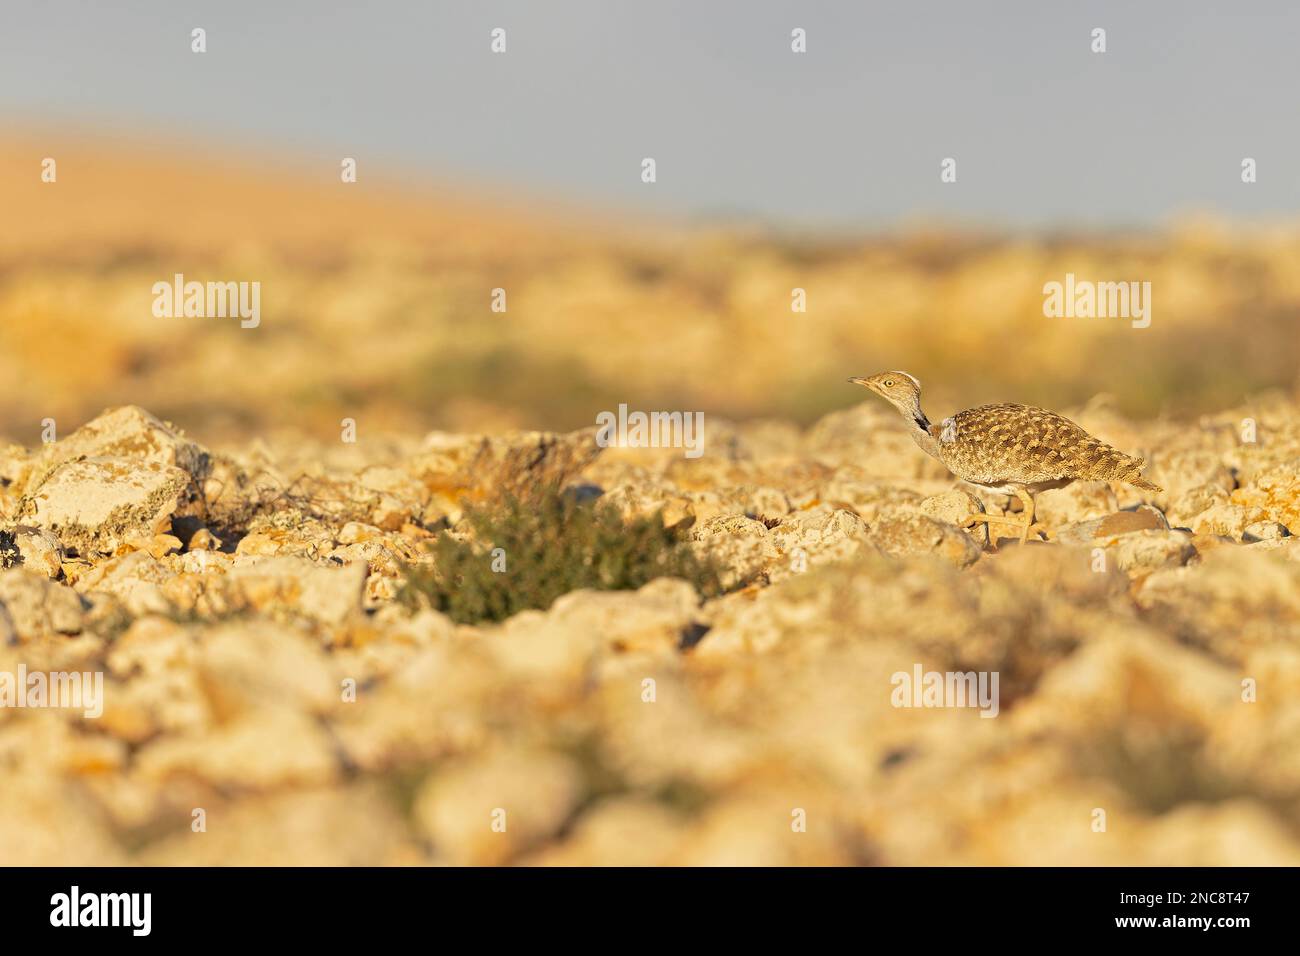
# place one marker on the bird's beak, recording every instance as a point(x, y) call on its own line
point(860, 381)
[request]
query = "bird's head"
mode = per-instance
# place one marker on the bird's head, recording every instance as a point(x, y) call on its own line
point(901, 390)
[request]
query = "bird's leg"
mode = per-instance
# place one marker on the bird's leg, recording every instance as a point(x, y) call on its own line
point(1029, 526)
point(991, 520)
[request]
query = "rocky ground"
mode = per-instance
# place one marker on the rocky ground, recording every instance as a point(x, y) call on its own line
point(241, 605)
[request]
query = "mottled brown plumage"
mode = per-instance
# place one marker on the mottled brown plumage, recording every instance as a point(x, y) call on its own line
point(1000, 444)
point(1013, 449)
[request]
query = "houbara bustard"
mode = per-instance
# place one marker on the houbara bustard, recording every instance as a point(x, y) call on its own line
point(1011, 449)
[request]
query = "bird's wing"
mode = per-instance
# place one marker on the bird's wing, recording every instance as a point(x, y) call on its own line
point(1010, 442)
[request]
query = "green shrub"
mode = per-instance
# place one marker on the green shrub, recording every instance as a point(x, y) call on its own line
point(551, 544)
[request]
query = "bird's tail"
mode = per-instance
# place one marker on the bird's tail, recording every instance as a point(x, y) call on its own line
point(1135, 478)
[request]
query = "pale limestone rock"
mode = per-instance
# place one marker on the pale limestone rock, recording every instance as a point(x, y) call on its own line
point(43, 821)
point(425, 710)
point(1230, 521)
point(293, 586)
point(287, 532)
point(644, 500)
point(1287, 547)
point(390, 512)
point(1186, 507)
point(869, 499)
point(160, 689)
point(203, 540)
point(253, 723)
point(158, 546)
point(153, 646)
point(1106, 529)
point(740, 543)
point(381, 557)
point(809, 538)
point(273, 747)
point(354, 532)
point(678, 513)
point(732, 832)
point(1077, 501)
point(1273, 495)
point(246, 666)
point(205, 562)
point(1141, 552)
point(653, 619)
point(39, 550)
point(1231, 601)
point(531, 791)
point(766, 504)
point(1235, 833)
point(955, 507)
point(1265, 531)
point(96, 505)
point(260, 545)
point(1182, 471)
point(127, 432)
point(37, 607)
point(137, 579)
point(918, 534)
point(634, 832)
point(348, 826)
point(395, 481)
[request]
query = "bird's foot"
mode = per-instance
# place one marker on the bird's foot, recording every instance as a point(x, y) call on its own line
point(980, 517)
point(1028, 528)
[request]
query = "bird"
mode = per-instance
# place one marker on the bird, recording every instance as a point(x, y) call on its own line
point(1009, 449)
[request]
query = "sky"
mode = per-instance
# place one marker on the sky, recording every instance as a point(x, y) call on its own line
point(851, 134)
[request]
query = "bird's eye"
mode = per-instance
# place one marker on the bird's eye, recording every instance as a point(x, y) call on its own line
point(889, 383)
